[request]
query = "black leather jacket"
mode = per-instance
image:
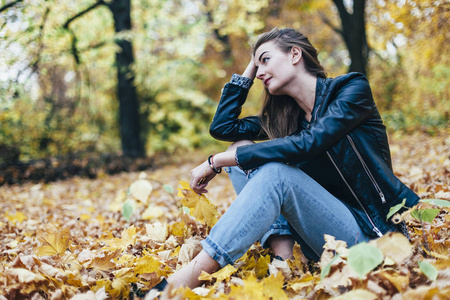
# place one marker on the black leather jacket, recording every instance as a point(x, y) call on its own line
point(344, 147)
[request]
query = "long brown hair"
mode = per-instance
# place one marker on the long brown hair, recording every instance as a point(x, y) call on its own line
point(280, 114)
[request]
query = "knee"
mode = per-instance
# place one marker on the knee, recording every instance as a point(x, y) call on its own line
point(276, 172)
point(239, 143)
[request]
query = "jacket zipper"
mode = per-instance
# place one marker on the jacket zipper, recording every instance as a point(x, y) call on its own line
point(366, 168)
point(374, 228)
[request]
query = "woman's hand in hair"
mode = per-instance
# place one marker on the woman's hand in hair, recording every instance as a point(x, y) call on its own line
point(250, 71)
point(200, 177)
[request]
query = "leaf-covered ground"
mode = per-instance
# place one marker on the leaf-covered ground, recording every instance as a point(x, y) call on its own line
point(91, 239)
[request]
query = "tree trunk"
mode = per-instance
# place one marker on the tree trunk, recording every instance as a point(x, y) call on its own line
point(354, 34)
point(129, 116)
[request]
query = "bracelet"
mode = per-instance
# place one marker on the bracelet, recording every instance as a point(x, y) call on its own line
point(211, 164)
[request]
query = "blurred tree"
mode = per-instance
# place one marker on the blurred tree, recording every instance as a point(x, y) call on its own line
point(61, 94)
point(129, 117)
point(353, 32)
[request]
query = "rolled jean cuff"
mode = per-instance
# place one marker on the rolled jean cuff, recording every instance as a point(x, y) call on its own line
point(274, 230)
point(216, 252)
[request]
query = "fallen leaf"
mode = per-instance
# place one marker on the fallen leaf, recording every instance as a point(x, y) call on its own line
point(128, 238)
point(200, 206)
point(141, 190)
point(157, 231)
point(223, 274)
point(54, 241)
point(396, 246)
point(24, 275)
point(146, 264)
point(105, 261)
point(18, 217)
point(359, 294)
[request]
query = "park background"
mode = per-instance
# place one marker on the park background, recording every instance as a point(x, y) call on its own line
point(90, 89)
point(144, 77)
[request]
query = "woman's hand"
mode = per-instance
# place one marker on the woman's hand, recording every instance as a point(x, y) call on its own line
point(200, 177)
point(250, 71)
point(203, 174)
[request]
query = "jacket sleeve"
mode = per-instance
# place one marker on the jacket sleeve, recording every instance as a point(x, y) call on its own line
point(352, 105)
point(226, 125)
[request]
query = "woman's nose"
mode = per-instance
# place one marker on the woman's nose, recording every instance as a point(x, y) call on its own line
point(260, 73)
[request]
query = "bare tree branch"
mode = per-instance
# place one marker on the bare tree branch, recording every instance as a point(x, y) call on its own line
point(41, 43)
point(9, 5)
point(331, 25)
point(86, 10)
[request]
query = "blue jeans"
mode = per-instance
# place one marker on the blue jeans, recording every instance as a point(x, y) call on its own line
point(277, 199)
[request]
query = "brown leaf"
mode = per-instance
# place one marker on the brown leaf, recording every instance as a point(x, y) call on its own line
point(24, 276)
point(396, 246)
point(105, 261)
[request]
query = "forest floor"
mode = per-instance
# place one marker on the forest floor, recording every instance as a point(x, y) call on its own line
point(87, 238)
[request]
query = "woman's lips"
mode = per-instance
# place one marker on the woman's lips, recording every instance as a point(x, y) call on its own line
point(266, 82)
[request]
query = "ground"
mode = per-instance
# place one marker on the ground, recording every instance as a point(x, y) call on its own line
point(94, 238)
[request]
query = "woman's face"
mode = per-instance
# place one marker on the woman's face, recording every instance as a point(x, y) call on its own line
point(275, 68)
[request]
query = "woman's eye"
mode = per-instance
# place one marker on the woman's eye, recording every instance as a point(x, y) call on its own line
point(265, 59)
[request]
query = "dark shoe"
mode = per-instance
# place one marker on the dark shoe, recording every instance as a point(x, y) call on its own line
point(141, 294)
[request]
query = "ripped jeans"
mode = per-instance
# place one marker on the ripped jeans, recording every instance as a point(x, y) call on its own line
point(277, 199)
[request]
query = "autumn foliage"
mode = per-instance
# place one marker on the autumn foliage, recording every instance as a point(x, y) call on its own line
point(103, 238)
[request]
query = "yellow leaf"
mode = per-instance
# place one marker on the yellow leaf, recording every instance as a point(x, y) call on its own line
point(18, 217)
point(54, 241)
point(251, 290)
point(85, 217)
point(121, 282)
point(147, 264)
point(177, 229)
point(222, 274)
point(307, 281)
point(262, 265)
point(126, 260)
point(141, 190)
point(128, 238)
point(400, 282)
point(273, 287)
point(200, 206)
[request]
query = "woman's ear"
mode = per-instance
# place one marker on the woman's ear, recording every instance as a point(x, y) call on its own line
point(296, 54)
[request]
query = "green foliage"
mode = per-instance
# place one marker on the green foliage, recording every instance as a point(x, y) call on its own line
point(439, 202)
point(394, 209)
point(326, 270)
point(428, 269)
point(363, 258)
point(127, 210)
point(426, 215)
point(168, 188)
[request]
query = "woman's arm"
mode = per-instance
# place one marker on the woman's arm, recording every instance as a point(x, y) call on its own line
point(351, 107)
point(226, 124)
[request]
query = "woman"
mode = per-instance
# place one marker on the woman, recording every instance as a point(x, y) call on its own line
point(326, 168)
